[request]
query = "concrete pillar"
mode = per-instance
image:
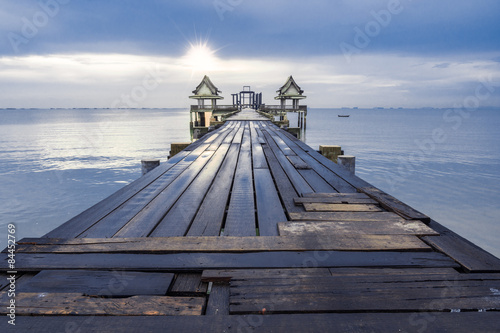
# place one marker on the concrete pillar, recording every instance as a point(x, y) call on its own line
point(148, 165)
point(330, 152)
point(348, 162)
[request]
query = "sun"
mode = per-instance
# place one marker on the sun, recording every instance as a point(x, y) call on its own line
point(200, 57)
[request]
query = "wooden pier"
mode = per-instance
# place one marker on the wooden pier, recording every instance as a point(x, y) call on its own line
point(249, 229)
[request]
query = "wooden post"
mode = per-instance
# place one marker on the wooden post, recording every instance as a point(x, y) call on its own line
point(177, 147)
point(348, 162)
point(295, 131)
point(330, 152)
point(148, 165)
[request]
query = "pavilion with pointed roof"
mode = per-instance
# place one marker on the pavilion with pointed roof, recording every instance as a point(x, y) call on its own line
point(206, 90)
point(207, 113)
point(290, 91)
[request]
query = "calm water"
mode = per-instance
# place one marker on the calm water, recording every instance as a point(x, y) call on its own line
point(56, 163)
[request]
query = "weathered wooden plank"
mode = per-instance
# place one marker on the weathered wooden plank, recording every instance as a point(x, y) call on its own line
point(281, 144)
point(286, 190)
point(19, 280)
point(351, 179)
point(338, 207)
point(339, 196)
point(471, 257)
point(363, 283)
point(427, 284)
point(179, 218)
point(301, 186)
point(258, 158)
point(321, 295)
point(218, 300)
point(269, 208)
point(86, 219)
point(335, 200)
point(226, 244)
point(148, 217)
point(201, 261)
point(239, 135)
point(228, 274)
point(298, 163)
point(486, 322)
point(346, 216)
point(390, 203)
point(210, 137)
point(240, 219)
point(188, 284)
point(360, 271)
point(330, 303)
point(316, 182)
point(210, 215)
point(109, 225)
point(225, 136)
point(330, 177)
point(100, 283)
point(76, 304)
point(305, 228)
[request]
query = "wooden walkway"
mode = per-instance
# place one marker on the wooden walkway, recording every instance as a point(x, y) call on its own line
point(249, 229)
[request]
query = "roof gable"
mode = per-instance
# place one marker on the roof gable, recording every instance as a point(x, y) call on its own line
point(290, 88)
point(206, 88)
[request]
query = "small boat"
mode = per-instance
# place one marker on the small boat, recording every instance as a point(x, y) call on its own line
point(344, 115)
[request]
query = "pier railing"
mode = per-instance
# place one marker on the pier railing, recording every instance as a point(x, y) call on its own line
point(197, 108)
point(286, 108)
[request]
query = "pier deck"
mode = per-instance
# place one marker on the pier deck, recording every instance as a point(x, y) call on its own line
point(249, 229)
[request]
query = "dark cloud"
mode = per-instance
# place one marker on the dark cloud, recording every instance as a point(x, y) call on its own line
point(251, 28)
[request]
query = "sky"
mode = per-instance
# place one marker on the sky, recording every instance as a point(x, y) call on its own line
point(342, 53)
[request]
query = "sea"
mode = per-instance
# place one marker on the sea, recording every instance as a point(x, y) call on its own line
point(55, 163)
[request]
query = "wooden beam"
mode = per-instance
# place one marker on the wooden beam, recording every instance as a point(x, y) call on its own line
point(468, 255)
point(99, 283)
point(331, 178)
point(201, 261)
point(306, 228)
point(240, 219)
point(346, 216)
point(228, 274)
point(76, 304)
point(223, 244)
point(340, 207)
point(335, 200)
point(188, 284)
point(269, 208)
point(279, 323)
point(218, 300)
point(322, 294)
point(180, 216)
point(390, 203)
point(210, 215)
point(151, 214)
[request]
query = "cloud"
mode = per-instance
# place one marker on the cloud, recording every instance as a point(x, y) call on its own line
point(401, 50)
point(105, 80)
point(442, 65)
